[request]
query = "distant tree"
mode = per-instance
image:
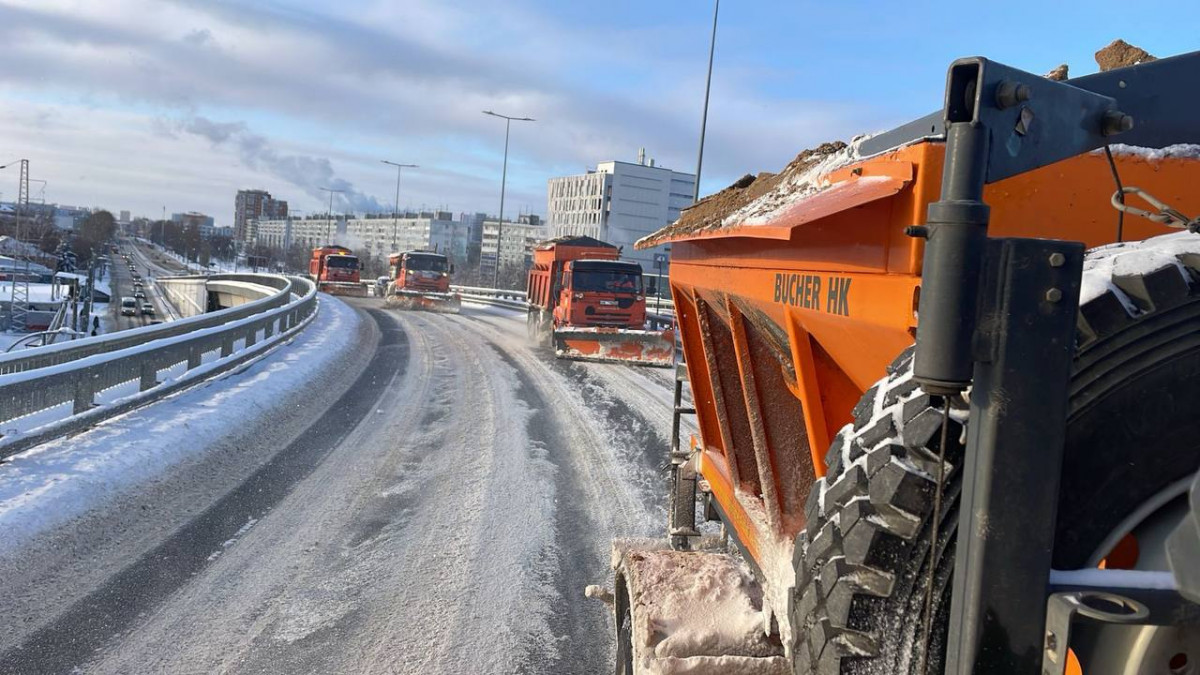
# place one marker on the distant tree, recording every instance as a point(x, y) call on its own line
point(96, 230)
point(221, 246)
point(192, 241)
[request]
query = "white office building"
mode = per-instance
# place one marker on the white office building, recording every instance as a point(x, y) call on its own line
point(380, 236)
point(619, 202)
point(516, 249)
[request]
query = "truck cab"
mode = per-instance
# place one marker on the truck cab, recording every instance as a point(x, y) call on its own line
point(423, 271)
point(340, 268)
point(600, 293)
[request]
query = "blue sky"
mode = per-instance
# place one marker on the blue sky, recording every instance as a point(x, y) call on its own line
point(145, 104)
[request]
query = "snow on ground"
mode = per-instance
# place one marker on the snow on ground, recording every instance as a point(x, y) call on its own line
point(64, 478)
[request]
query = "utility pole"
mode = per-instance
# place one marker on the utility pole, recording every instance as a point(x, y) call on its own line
point(712, 46)
point(396, 204)
point(331, 192)
point(503, 180)
point(18, 305)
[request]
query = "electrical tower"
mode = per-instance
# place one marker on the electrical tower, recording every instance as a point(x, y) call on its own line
point(19, 301)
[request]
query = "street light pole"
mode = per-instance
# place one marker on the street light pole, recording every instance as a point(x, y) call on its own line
point(503, 181)
point(712, 45)
point(396, 204)
point(329, 215)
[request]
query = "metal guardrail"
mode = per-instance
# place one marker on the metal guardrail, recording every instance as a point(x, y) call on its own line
point(519, 300)
point(57, 354)
point(77, 373)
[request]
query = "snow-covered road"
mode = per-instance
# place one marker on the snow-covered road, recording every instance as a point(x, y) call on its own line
point(449, 527)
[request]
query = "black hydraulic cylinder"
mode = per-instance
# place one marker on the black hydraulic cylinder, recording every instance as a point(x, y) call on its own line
point(957, 234)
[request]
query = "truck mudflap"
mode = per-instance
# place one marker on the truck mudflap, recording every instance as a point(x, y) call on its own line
point(450, 303)
point(694, 612)
point(346, 288)
point(617, 345)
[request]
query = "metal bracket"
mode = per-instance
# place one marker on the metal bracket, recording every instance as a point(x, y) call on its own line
point(1014, 450)
point(1139, 90)
point(1063, 608)
point(1183, 548)
point(1107, 610)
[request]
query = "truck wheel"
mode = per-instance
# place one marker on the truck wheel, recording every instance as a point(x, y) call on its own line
point(1132, 437)
point(531, 326)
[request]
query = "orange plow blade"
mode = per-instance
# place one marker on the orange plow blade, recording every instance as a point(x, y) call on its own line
point(617, 345)
point(343, 288)
point(449, 303)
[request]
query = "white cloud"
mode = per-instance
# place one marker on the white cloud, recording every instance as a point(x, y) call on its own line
point(240, 95)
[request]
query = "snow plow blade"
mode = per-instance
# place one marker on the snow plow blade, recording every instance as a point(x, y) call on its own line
point(449, 303)
point(343, 288)
point(617, 345)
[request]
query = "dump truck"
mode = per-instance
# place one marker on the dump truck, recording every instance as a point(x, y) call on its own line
point(944, 380)
point(590, 305)
point(336, 270)
point(421, 280)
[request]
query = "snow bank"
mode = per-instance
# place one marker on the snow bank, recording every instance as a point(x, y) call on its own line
point(62, 479)
point(696, 612)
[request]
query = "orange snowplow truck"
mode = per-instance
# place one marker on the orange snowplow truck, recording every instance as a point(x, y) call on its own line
point(1016, 493)
point(421, 280)
point(336, 269)
point(591, 304)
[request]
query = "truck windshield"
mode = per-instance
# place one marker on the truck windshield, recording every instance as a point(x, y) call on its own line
point(607, 281)
point(343, 261)
point(425, 264)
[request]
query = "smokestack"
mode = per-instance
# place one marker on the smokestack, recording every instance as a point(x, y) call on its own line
point(642, 156)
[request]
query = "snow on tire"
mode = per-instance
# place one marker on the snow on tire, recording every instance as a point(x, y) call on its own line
point(864, 558)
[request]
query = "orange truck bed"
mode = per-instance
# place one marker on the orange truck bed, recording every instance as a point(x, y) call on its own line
point(786, 323)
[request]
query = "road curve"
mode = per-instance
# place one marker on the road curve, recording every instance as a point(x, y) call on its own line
point(444, 521)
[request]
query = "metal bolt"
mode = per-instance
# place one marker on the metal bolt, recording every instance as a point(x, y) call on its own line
point(1011, 93)
point(1115, 122)
point(1057, 259)
point(1053, 295)
point(917, 231)
point(1051, 642)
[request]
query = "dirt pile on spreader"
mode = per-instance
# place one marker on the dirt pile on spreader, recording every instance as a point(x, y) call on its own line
point(709, 213)
point(713, 211)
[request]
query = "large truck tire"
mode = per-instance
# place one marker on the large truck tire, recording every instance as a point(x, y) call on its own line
point(1133, 433)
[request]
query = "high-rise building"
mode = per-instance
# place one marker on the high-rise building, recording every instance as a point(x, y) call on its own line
point(519, 238)
point(377, 236)
point(619, 202)
point(255, 205)
point(202, 222)
point(124, 216)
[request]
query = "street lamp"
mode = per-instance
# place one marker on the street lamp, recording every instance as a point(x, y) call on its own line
point(503, 180)
point(712, 45)
point(331, 191)
point(396, 204)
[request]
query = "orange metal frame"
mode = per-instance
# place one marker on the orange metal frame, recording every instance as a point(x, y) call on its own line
point(786, 324)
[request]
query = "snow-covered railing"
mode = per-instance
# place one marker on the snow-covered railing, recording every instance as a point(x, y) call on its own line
point(53, 355)
point(493, 296)
point(518, 300)
point(83, 382)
